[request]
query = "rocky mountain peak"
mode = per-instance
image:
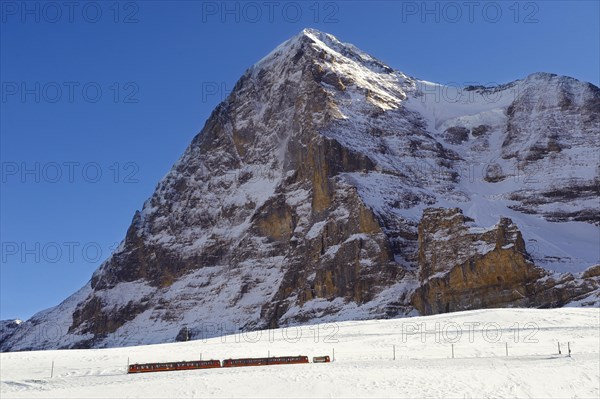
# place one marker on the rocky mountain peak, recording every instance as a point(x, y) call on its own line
point(311, 44)
point(328, 187)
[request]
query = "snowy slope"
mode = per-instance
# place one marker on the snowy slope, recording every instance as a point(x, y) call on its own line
point(363, 367)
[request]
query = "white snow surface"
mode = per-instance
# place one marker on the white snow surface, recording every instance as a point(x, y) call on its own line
point(364, 363)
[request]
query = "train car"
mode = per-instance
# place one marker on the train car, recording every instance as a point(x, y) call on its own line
point(173, 366)
point(321, 359)
point(264, 361)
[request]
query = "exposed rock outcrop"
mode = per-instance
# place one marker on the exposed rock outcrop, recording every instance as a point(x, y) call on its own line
point(463, 267)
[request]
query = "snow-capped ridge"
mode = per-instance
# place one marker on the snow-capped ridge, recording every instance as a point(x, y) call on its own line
point(323, 42)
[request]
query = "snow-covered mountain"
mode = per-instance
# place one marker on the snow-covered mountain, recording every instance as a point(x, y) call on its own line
point(329, 186)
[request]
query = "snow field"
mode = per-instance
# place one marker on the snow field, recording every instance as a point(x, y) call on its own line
point(364, 361)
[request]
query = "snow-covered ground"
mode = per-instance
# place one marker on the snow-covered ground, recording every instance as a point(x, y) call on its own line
point(364, 363)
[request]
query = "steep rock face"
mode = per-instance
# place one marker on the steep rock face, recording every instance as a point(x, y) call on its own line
point(548, 129)
point(7, 329)
point(344, 255)
point(306, 198)
point(462, 267)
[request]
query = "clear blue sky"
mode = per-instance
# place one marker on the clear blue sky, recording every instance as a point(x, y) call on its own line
point(121, 88)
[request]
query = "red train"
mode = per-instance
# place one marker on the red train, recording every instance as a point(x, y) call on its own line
point(210, 364)
point(264, 361)
point(193, 365)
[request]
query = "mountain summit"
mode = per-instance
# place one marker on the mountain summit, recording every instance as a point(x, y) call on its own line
point(329, 186)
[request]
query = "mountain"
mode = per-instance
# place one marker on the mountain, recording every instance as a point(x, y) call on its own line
point(7, 328)
point(330, 187)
